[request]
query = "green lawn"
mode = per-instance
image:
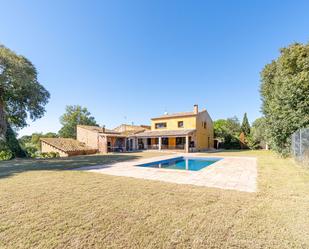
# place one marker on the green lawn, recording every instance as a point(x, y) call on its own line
point(44, 206)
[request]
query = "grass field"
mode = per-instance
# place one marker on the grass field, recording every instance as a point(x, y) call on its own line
point(44, 206)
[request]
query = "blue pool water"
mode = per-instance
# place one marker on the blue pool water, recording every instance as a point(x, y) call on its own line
point(182, 163)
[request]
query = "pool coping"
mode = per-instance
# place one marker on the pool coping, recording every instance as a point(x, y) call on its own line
point(180, 170)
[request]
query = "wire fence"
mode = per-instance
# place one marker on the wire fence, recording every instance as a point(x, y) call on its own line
point(300, 145)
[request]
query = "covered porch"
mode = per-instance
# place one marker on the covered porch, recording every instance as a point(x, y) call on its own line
point(112, 143)
point(177, 140)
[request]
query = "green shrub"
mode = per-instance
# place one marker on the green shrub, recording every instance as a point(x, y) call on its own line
point(252, 143)
point(12, 143)
point(53, 154)
point(5, 152)
point(31, 150)
point(48, 155)
point(5, 155)
point(230, 142)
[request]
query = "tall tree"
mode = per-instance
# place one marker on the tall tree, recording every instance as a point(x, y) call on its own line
point(245, 126)
point(224, 127)
point(233, 125)
point(220, 129)
point(35, 137)
point(227, 131)
point(73, 116)
point(21, 95)
point(258, 130)
point(31, 144)
point(285, 95)
point(12, 144)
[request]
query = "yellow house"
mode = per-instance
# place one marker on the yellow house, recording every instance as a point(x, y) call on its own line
point(185, 131)
point(188, 131)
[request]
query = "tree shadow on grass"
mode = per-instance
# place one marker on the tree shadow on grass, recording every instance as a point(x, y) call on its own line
point(9, 168)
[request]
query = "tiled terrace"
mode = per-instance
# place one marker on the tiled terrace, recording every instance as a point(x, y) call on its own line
point(236, 173)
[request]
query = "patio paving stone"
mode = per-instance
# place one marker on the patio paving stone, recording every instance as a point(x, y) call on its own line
point(236, 173)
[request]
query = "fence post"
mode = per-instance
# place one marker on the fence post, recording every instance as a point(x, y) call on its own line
point(294, 144)
point(300, 145)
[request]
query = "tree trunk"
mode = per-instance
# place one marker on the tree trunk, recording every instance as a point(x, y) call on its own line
point(3, 124)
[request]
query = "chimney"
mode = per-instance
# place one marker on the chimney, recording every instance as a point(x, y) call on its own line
point(195, 109)
point(103, 128)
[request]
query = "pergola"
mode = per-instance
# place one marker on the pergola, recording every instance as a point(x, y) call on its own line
point(166, 134)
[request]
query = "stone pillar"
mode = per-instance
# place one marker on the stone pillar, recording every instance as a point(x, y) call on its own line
point(103, 144)
point(160, 143)
point(187, 144)
point(124, 144)
point(136, 143)
point(145, 144)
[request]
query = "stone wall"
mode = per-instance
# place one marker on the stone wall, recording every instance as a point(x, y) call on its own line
point(88, 137)
point(45, 148)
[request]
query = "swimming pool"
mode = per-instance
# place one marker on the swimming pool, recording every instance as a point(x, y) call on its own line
point(183, 163)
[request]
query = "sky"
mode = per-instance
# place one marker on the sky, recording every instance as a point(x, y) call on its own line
point(129, 61)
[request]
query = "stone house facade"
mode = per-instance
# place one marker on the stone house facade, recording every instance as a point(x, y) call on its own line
point(184, 131)
point(65, 147)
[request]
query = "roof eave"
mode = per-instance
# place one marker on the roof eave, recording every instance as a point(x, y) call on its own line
point(148, 134)
point(50, 144)
point(178, 116)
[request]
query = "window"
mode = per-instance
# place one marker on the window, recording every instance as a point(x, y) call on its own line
point(160, 125)
point(180, 140)
point(204, 125)
point(180, 124)
point(164, 141)
point(148, 141)
point(140, 144)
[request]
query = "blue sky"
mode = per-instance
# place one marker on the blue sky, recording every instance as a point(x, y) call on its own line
point(128, 61)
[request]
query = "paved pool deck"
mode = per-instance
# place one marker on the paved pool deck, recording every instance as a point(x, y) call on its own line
point(235, 173)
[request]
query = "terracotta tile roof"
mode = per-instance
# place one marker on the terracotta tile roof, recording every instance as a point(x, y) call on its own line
point(173, 115)
point(121, 134)
point(91, 128)
point(131, 127)
point(112, 135)
point(167, 133)
point(107, 131)
point(97, 129)
point(126, 129)
point(66, 144)
point(129, 133)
